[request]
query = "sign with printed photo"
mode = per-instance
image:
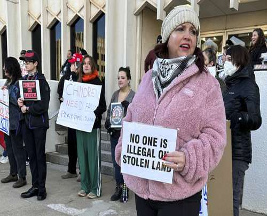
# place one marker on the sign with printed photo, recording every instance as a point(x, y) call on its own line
point(30, 90)
point(143, 147)
point(116, 115)
point(4, 111)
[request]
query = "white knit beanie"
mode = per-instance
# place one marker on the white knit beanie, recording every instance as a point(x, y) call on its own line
point(179, 15)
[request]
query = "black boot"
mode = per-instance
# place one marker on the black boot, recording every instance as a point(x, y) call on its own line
point(116, 196)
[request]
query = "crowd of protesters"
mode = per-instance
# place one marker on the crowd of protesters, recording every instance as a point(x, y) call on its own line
point(181, 81)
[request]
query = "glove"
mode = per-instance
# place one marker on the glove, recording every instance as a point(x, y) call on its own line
point(235, 119)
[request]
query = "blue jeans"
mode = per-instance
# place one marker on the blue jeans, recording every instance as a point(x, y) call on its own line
point(117, 168)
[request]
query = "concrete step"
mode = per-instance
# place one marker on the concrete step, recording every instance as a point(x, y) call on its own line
point(104, 135)
point(62, 159)
point(62, 148)
point(57, 158)
point(107, 168)
point(106, 156)
point(105, 145)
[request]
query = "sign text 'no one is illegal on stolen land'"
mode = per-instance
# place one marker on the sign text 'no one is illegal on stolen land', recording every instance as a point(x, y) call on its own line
point(143, 147)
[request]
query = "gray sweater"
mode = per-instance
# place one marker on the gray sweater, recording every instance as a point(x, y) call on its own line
point(114, 99)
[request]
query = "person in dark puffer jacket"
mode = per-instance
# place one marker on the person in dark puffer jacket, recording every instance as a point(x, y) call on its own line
point(242, 105)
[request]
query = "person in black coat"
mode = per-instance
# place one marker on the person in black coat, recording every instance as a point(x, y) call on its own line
point(34, 122)
point(65, 68)
point(14, 143)
point(242, 105)
point(71, 75)
point(258, 46)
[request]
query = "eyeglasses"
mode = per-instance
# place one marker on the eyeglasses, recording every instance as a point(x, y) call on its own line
point(28, 62)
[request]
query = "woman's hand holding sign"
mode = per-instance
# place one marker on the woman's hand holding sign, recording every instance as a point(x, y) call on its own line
point(177, 158)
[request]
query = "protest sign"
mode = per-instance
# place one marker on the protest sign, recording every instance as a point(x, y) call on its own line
point(143, 147)
point(116, 115)
point(79, 102)
point(4, 111)
point(29, 90)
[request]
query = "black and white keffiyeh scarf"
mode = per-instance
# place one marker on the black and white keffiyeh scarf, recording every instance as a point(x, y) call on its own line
point(166, 70)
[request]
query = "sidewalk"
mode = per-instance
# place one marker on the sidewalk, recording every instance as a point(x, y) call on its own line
point(62, 198)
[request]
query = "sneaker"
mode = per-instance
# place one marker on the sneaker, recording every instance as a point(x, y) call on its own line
point(116, 196)
point(79, 178)
point(10, 178)
point(27, 163)
point(20, 183)
point(82, 193)
point(91, 196)
point(4, 160)
point(69, 175)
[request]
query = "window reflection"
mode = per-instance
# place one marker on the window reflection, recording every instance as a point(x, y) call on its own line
point(99, 44)
point(36, 42)
point(4, 48)
point(55, 43)
point(216, 39)
point(77, 35)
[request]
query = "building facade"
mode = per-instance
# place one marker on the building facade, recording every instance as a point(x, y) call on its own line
point(115, 32)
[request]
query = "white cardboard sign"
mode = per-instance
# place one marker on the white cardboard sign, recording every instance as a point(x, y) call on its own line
point(143, 147)
point(79, 102)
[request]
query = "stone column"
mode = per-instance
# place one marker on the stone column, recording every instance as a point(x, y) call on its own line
point(65, 31)
point(88, 28)
point(12, 29)
point(45, 41)
point(25, 36)
point(120, 42)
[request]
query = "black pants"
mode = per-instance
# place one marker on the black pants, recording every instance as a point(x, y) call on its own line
point(187, 207)
point(16, 154)
point(35, 145)
point(72, 150)
point(239, 169)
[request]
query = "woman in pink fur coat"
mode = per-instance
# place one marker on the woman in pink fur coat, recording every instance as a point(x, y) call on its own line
point(179, 93)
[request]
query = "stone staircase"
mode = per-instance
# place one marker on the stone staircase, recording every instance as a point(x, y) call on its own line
point(60, 156)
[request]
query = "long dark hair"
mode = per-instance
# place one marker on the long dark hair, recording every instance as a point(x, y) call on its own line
point(12, 67)
point(260, 41)
point(92, 64)
point(161, 51)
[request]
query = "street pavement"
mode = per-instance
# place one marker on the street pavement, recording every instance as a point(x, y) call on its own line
point(62, 198)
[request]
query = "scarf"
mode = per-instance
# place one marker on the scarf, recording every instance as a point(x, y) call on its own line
point(166, 70)
point(89, 77)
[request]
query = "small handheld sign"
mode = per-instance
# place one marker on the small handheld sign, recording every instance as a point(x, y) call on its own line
point(116, 115)
point(143, 147)
point(30, 90)
point(4, 111)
